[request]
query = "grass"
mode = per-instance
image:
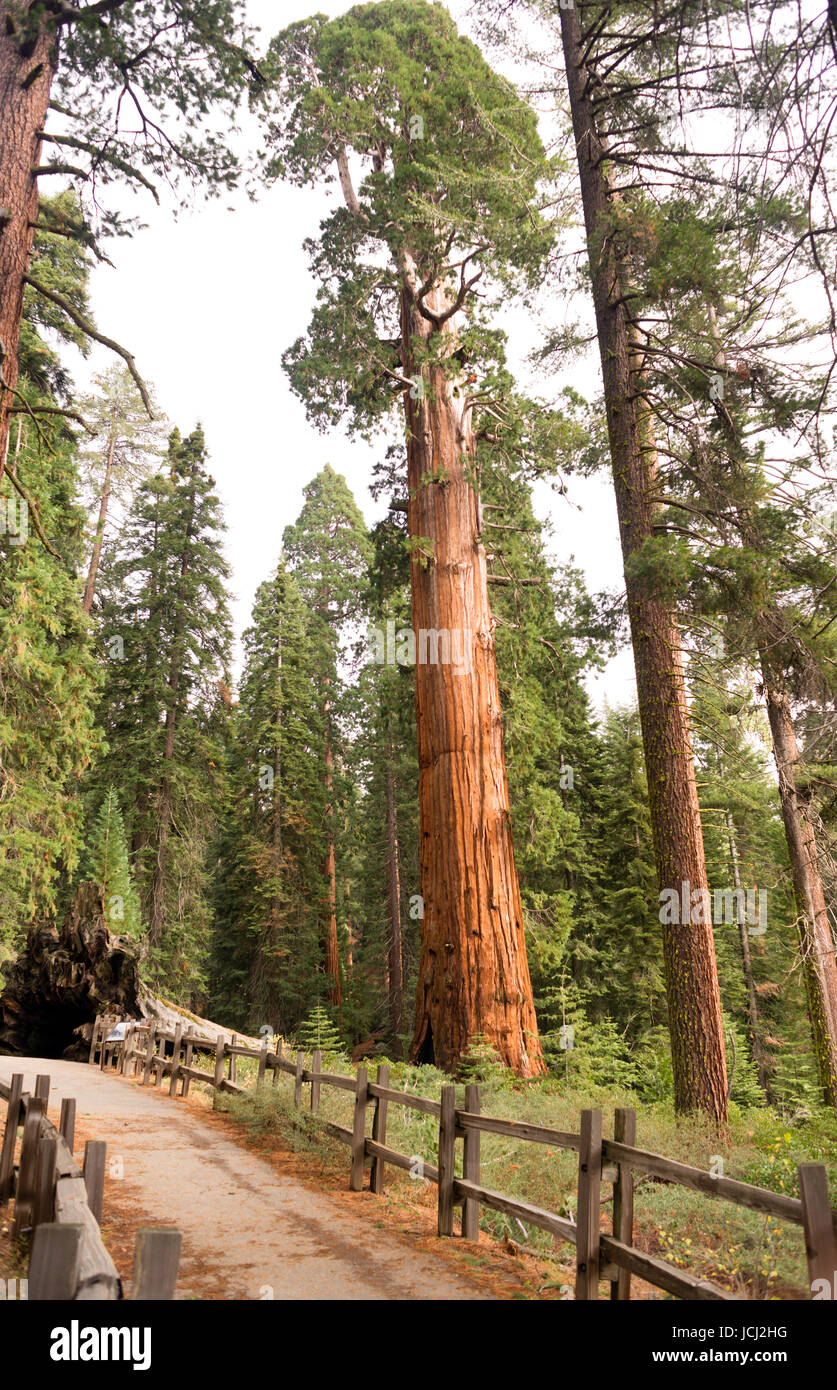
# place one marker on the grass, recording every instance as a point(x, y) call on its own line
point(752, 1255)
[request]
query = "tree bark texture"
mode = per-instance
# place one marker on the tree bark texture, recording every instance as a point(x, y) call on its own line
point(473, 973)
point(694, 1005)
point(26, 73)
point(816, 942)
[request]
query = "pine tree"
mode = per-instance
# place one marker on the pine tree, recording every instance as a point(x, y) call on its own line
point(327, 551)
point(165, 632)
point(93, 64)
point(126, 444)
point(48, 676)
point(107, 866)
point(268, 883)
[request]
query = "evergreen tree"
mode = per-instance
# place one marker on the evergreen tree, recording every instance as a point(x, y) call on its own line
point(327, 551)
point(451, 195)
point(107, 866)
point(48, 676)
point(165, 630)
point(269, 891)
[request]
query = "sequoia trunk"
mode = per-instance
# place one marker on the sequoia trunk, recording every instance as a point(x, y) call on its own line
point(26, 73)
point(473, 974)
point(694, 1005)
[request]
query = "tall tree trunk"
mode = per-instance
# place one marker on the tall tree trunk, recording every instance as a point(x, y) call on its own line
point(694, 1004)
point(816, 943)
point(395, 975)
point(331, 953)
point(26, 73)
point(473, 973)
point(759, 1056)
point(156, 921)
point(157, 913)
point(90, 586)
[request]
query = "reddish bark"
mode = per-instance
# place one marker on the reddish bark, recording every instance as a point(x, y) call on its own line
point(694, 1004)
point(815, 940)
point(26, 73)
point(473, 973)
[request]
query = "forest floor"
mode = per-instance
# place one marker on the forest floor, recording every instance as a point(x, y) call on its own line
point(255, 1219)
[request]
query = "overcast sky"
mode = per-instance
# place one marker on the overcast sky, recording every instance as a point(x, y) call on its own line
point(207, 303)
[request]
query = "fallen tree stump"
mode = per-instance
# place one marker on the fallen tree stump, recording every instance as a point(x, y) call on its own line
point(68, 974)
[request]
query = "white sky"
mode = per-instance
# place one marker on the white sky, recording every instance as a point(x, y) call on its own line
point(208, 302)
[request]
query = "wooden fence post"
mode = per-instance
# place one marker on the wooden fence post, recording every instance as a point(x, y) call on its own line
point(277, 1069)
point(471, 1166)
point(820, 1243)
point(379, 1130)
point(359, 1130)
point(95, 1153)
point(316, 1065)
point(7, 1152)
point(175, 1059)
point(122, 1064)
point(156, 1257)
point(262, 1065)
point(53, 1263)
point(588, 1213)
point(149, 1052)
point(25, 1193)
point(447, 1159)
point(67, 1122)
point(624, 1132)
point(94, 1038)
point(42, 1090)
point(300, 1067)
point(220, 1048)
point(190, 1048)
point(43, 1207)
point(234, 1060)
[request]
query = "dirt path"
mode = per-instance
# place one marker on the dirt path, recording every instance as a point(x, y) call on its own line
point(248, 1231)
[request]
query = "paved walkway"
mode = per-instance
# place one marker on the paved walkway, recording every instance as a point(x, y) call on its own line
point(248, 1231)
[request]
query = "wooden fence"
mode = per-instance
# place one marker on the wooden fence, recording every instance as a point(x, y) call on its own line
point(156, 1054)
point(58, 1207)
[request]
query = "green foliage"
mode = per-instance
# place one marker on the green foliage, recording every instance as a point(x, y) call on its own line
point(317, 1031)
point(106, 864)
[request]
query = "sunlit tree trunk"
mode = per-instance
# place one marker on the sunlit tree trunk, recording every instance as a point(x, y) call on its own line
point(473, 974)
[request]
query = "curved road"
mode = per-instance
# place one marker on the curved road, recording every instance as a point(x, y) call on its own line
point(249, 1232)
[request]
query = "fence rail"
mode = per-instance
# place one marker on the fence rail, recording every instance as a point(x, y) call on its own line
point(613, 1161)
point(58, 1207)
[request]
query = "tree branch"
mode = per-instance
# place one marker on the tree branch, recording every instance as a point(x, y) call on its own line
point(86, 327)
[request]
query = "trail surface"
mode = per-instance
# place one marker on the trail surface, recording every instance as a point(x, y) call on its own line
point(248, 1231)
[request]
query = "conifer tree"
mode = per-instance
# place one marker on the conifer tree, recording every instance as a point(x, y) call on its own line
point(165, 633)
point(451, 196)
point(133, 83)
point(48, 675)
point(268, 885)
point(107, 866)
point(327, 551)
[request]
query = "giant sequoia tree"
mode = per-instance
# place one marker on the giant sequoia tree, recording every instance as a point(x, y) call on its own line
point(451, 167)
